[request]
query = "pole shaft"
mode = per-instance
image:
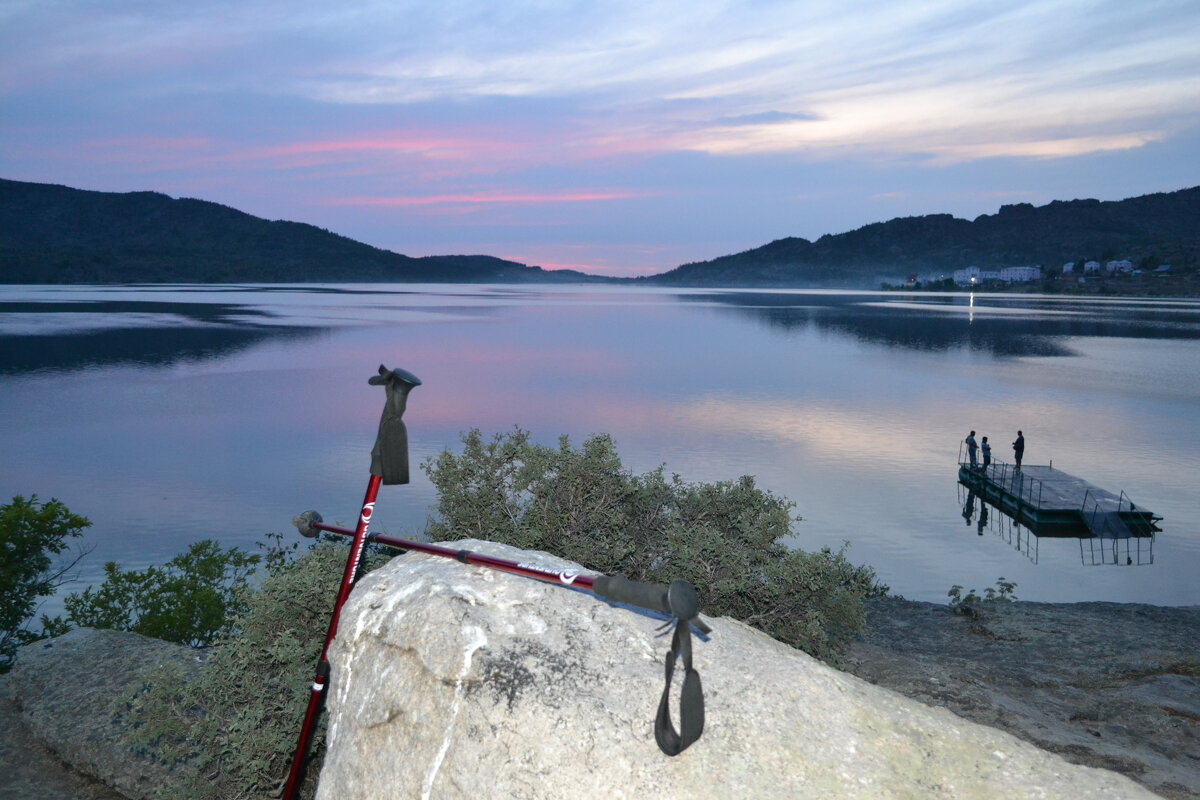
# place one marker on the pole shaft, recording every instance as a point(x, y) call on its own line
point(316, 697)
point(566, 577)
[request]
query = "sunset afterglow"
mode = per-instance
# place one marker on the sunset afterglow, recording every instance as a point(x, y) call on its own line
point(622, 138)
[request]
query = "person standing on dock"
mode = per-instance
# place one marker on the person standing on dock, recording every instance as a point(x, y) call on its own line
point(987, 453)
point(1019, 449)
point(971, 448)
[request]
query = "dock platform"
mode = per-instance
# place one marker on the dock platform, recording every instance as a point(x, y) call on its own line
point(1052, 502)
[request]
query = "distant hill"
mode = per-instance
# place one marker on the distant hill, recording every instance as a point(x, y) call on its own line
point(1149, 230)
point(55, 234)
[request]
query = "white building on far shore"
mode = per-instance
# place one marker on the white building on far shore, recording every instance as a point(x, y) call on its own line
point(973, 276)
point(1120, 265)
point(1020, 274)
point(1091, 266)
point(1068, 267)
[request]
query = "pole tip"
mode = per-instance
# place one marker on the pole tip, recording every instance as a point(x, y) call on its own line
point(304, 523)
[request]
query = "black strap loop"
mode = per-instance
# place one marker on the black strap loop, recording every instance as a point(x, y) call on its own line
point(691, 698)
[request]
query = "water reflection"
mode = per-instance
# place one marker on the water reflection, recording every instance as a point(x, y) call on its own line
point(279, 418)
point(1024, 535)
point(52, 337)
point(1008, 325)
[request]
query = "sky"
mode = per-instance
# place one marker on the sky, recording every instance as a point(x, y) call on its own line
point(619, 138)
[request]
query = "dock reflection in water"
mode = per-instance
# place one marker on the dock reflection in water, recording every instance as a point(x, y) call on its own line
point(1022, 532)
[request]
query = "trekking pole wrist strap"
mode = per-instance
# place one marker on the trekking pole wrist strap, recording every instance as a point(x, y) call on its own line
point(691, 697)
point(681, 602)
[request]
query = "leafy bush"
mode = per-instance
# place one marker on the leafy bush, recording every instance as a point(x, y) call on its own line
point(30, 534)
point(724, 538)
point(237, 722)
point(191, 600)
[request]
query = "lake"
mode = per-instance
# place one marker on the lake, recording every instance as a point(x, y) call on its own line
point(167, 414)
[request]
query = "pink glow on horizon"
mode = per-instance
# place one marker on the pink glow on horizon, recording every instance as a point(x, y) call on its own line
point(405, 201)
point(554, 266)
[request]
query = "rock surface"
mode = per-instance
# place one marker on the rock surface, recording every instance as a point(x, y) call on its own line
point(1103, 684)
point(63, 688)
point(454, 681)
point(29, 770)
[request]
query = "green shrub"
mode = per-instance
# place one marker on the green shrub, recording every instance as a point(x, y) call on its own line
point(968, 604)
point(30, 534)
point(238, 721)
point(191, 600)
point(725, 537)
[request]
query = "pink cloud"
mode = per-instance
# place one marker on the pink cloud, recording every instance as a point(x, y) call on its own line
point(589, 268)
point(484, 198)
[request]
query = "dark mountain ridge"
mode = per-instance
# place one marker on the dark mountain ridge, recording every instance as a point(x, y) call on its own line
point(1153, 228)
point(55, 234)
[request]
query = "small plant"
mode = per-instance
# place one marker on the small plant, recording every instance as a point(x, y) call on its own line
point(191, 600)
point(969, 604)
point(31, 533)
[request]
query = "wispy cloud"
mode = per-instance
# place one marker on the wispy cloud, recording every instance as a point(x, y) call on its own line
point(742, 117)
point(764, 118)
point(780, 78)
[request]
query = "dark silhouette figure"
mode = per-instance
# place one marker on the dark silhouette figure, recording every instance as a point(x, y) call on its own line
point(1019, 449)
point(987, 453)
point(971, 448)
point(389, 456)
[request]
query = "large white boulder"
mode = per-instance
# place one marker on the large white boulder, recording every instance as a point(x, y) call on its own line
point(456, 681)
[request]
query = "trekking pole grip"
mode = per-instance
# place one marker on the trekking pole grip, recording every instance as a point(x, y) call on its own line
point(679, 599)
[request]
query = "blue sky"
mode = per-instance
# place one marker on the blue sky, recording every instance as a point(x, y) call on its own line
point(620, 138)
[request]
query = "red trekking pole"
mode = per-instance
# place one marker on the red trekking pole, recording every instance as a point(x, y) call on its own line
point(389, 465)
point(679, 599)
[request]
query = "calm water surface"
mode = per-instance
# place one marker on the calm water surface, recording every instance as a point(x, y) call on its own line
point(168, 414)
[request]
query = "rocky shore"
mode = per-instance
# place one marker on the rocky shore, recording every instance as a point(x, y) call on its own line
point(1107, 685)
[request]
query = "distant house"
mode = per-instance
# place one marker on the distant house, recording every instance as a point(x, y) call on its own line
point(1162, 269)
point(974, 276)
point(1068, 267)
point(1091, 266)
point(966, 277)
point(1119, 265)
point(1020, 274)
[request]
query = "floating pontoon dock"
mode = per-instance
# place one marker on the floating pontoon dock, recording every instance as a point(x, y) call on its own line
point(1051, 502)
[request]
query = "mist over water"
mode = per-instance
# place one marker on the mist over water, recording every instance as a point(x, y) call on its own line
point(168, 414)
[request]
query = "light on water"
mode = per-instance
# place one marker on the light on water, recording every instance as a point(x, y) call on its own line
point(170, 414)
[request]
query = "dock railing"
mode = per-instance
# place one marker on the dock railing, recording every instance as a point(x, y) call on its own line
point(1095, 517)
point(1139, 524)
point(1028, 490)
point(1010, 478)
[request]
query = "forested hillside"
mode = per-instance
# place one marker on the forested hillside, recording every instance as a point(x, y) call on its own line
point(1149, 230)
point(54, 234)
